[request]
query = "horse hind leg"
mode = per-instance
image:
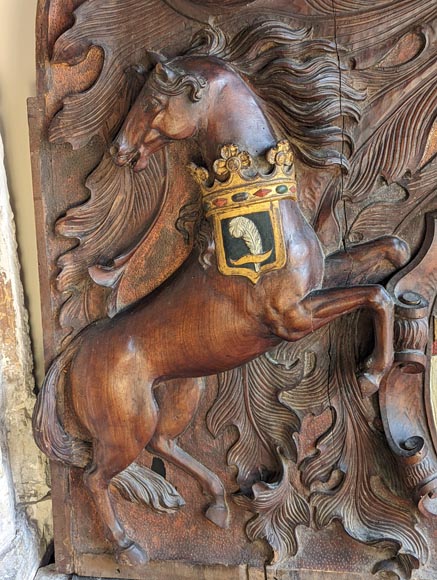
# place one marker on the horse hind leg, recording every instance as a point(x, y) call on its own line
point(109, 461)
point(119, 437)
point(178, 402)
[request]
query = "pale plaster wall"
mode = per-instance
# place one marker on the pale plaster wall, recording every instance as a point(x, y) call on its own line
point(25, 507)
point(17, 83)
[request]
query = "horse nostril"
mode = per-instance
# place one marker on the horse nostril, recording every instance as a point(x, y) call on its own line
point(134, 159)
point(122, 157)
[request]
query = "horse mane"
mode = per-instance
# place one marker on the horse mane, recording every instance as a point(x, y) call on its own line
point(193, 83)
point(303, 87)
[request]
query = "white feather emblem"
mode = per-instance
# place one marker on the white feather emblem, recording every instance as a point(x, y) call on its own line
point(244, 228)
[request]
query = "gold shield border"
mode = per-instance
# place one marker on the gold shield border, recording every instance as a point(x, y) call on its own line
point(278, 236)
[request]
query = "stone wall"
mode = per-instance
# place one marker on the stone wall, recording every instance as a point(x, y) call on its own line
point(25, 507)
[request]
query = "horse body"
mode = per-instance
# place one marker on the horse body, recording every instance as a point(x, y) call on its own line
point(201, 322)
point(200, 307)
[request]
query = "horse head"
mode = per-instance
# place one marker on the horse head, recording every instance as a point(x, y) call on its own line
point(196, 97)
point(170, 107)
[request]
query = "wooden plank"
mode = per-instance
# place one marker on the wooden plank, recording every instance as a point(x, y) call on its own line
point(104, 566)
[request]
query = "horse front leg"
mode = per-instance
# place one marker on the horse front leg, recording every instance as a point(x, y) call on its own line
point(178, 401)
point(322, 306)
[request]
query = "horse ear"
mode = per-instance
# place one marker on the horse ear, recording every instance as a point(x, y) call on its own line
point(165, 73)
point(143, 69)
point(155, 57)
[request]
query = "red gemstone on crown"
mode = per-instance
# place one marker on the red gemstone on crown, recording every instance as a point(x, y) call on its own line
point(220, 202)
point(262, 192)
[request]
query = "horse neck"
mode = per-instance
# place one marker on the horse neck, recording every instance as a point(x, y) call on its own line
point(234, 117)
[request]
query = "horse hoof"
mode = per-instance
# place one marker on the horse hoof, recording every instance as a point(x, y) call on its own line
point(132, 556)
point(218, 514)
point(369, 384)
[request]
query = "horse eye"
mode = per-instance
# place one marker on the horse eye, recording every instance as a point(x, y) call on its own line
point(152, 104)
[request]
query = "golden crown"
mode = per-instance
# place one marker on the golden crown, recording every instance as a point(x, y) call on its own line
point(237, 184)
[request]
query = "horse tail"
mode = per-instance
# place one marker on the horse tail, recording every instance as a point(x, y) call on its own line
point(48, 431)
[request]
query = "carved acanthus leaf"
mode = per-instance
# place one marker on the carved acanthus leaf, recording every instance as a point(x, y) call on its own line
point(130, 28)
point(408, 109)
point(365, 485)
point(352, 6)
point(347, 473)
point(248, 400)
point(362, 26)
point(394, 214)
point(280, 509)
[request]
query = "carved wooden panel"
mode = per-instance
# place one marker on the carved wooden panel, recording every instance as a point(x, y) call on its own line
point(236, 205)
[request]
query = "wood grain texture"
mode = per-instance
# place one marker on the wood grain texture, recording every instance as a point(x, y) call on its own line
point(303, 448)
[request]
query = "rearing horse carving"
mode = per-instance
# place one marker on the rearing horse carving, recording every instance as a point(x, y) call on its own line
point(206, 319)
